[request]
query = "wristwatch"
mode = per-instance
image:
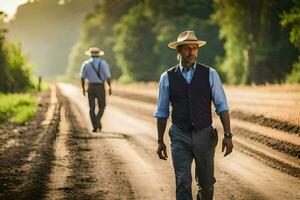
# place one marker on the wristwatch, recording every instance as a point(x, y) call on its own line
point(228, 135)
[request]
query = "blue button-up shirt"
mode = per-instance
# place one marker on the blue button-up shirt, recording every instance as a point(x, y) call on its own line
point(87, 71)
point(217, 91)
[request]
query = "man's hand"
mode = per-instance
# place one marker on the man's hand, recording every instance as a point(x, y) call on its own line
point(227, 142)
point(83, 92)
point(109, 90)
point(162, 151)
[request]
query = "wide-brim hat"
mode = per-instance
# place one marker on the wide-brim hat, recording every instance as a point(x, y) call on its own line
point(94, 51)
point(186, 37)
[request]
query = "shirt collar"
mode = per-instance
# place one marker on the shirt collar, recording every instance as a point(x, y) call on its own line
point(95, 58)
point(181, 67)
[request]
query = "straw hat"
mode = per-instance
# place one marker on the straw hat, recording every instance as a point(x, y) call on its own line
point(94, 51)
point(186, 37)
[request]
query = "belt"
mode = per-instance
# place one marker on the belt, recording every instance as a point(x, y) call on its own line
point(193, 128)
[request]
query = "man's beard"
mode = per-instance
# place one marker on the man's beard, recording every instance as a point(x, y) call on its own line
point(192, 58)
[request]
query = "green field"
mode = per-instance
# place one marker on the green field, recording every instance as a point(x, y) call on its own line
point(17, 108)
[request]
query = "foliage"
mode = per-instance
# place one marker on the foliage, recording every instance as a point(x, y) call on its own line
point(97, 30)
point(294, 76)
point(15, 73)
point(134, 44)
point(246, 41)
point(174, 17)
point(257, 50)
point(17, 108)
point(291, 20)
point(135, 33)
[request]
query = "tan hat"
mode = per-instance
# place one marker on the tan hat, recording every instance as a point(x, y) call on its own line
point(94, 51)
point(186, 37)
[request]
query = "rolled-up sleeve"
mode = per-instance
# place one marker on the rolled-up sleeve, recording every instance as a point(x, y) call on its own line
point(217, 91)
point(163, 100)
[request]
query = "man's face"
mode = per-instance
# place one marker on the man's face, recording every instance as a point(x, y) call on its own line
point(188, 52)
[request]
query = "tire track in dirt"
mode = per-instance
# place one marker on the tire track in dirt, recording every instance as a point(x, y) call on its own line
point(287, 145)
point(281, 142)
point(93, 173)
point(257, 119)
point(144, 144)
point(239, 176)
point(25, 167)
point(268, 122)
point(225, 180)
point(60, 170)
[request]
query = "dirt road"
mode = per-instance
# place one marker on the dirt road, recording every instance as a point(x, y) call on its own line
point(120, 162)
point(57, 156)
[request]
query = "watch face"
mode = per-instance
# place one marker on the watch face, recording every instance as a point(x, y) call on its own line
point(229, 135)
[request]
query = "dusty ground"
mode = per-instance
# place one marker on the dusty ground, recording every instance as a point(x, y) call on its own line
point(25, 155)
point(120, 162)
point(130, 135)
point(276, 106)
point(86, 169)
point(258, 140)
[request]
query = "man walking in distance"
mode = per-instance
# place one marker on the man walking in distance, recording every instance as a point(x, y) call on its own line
point(96, 71)
point(190, 87)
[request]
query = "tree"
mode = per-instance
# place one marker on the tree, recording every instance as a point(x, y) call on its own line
point(139, 32)
point(160, 24)
point(134, 45)
point(291, 20)
point(257, 49)
point(15, 73)
point(173, 17)
point(98, 30)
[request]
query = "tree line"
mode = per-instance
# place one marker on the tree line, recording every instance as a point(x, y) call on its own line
point(16, 75)
point(248, 41)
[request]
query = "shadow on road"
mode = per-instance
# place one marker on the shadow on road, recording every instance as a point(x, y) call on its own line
point(102, 135)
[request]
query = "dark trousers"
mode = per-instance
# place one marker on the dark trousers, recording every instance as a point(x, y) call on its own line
point(96, 92)
point(187, 146)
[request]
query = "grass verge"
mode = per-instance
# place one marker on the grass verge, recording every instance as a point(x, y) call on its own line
point(18, 107)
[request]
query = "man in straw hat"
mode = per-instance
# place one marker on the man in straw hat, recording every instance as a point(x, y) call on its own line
point(190, 87)
point(96, 71)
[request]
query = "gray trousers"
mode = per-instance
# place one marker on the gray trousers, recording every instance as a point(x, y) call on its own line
point(187, 146)
point(96, 92)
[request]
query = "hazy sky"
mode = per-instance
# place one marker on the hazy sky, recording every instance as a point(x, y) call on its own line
point(10, 6)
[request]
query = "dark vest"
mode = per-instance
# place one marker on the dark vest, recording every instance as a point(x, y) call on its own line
point(191, 103)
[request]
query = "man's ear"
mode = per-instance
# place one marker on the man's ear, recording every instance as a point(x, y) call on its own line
point(178, 49)
point(178, 56)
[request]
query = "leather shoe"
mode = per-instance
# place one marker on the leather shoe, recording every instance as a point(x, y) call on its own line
point(94, 130)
